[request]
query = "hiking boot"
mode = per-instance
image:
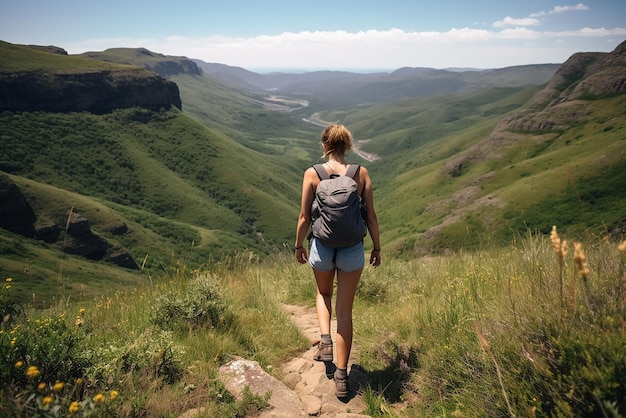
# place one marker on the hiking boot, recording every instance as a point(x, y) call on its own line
point(341, 387)
point(324, 352)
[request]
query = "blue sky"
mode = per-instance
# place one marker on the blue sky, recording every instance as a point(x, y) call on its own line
point(323, 34)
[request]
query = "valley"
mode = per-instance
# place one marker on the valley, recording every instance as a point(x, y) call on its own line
point(222, 172)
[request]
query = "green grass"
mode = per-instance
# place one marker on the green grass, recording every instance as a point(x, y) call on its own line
point(512, 331)
point(16, 58)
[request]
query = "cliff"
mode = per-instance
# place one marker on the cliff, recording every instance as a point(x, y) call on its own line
point(163, 65)
point(32, 79)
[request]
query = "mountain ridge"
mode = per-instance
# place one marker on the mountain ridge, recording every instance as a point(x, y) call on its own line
point(453, 167)
point(45, 79)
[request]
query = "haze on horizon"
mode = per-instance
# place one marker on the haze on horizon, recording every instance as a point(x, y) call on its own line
point(349, 35)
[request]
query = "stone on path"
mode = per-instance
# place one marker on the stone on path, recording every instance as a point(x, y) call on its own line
point(240, 373)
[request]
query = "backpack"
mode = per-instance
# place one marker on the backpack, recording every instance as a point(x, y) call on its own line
point(336, 210)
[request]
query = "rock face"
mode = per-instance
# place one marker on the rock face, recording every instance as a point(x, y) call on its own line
point(585, 75)
point(18, 216)
point(98, 92)
point(80, 240)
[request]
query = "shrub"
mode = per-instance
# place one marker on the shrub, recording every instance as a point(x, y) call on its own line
point(199, 303)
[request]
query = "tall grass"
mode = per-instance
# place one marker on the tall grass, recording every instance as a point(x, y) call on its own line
point(515, 331)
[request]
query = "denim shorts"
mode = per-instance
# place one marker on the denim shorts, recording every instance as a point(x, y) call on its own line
point(346, 259)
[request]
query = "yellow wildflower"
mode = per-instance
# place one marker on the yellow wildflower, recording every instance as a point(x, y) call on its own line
point(32, 371)
point(58, 386)
point(79, 381)
point(9, 279)
point(81, 311)
point(74, 407)
point(99, 398)
point(113, 394)
point(48, 400)
point(19, 364)
point(41, 386)
point(7, 286)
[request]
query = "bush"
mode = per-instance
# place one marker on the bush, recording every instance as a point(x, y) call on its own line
point(198, 304)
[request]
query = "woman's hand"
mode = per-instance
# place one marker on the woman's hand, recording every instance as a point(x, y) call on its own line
point(375, 258)
point(301, 255)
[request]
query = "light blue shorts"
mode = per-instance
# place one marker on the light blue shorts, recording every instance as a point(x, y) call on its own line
point(346, 259)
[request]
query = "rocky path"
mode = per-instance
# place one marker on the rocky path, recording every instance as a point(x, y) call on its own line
point(307, 388)
point(312, 380)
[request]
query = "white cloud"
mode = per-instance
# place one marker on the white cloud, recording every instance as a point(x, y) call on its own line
point(509, 21)
point(394, 48)
point(533, 18)
point(561, 9)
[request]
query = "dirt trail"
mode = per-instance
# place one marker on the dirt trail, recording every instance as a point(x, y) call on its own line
point(312, 380)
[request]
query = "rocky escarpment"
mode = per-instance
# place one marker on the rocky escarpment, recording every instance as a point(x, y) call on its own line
point(98, 92)
point(47, 79)
point(163, 65)
point(584, 76)
point(18, 216)
point(562, 103)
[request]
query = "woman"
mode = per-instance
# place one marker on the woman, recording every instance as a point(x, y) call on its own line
point(346, 262)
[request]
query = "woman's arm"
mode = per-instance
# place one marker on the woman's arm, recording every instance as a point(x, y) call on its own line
point(304, 219)
point(372, 219)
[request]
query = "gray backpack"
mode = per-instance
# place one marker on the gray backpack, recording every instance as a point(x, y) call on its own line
point(336, 209)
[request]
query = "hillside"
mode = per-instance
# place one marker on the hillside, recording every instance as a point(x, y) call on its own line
point(171, 186)
point(504, 151)
point(556, 156)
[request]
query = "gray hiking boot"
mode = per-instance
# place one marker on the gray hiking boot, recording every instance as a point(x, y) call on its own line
point(341, 387)
point(324, 352)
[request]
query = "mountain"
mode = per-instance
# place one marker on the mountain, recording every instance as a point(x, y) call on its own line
point(163, 65)
point(34, 79)
point(349, 89)
point(555, 156)
point(459, 158)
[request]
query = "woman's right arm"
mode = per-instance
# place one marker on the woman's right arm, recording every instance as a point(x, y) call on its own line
point(304, 219)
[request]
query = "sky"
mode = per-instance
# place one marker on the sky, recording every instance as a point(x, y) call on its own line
point(341, 34)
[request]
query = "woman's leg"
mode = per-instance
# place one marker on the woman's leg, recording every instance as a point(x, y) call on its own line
point(346, 289)
point(323, 300)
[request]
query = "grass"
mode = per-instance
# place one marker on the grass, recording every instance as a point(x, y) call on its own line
point(17, 58)
point(535, 328)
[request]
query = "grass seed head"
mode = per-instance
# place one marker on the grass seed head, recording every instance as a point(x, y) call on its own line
point(580, 261)
point(560, 247)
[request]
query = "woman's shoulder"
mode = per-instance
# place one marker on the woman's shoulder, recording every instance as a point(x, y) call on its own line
point(363, 170)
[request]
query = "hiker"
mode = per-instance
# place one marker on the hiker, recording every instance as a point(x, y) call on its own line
point(345, 260)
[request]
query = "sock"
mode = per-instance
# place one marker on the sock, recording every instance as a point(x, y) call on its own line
point(341, 373)
point(326, 340)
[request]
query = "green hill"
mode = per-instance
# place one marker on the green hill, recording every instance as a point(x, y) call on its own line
point(180, 188)
point(450, 171)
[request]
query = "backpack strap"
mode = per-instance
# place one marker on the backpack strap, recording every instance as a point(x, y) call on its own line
point(352, 170)
point(323, 174)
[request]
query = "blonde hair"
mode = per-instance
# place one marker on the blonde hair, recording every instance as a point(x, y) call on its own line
point(336, 139)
